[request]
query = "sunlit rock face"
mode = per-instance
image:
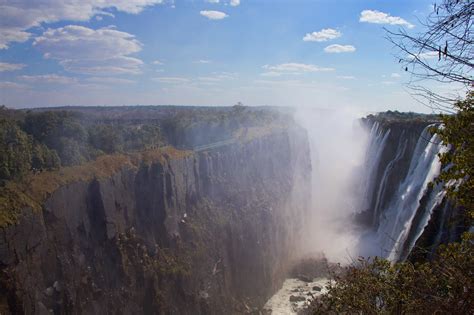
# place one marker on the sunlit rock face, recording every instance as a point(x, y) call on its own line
point(205, 232)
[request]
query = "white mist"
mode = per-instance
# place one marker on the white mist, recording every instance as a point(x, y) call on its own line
point(338, 144)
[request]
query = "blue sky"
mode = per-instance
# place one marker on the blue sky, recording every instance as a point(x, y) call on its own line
point(325, 54)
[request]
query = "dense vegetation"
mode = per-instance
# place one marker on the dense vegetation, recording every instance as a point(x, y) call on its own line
point(459, 133)
point(395, 117)
point(46, 139)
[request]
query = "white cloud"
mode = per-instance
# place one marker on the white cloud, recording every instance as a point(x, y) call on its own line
point(211, 79)
point(218, 76)
point(395, 75)
point(425, 55)
point(171, 80)
point(336, 48)
point(234, 3)
point(214, 15)
point(295, 68)
point(322, 36)
point(158, 63)
point(377, 17)
point(11, 85)
point(48, 78)
point(83, 50)
point(212, 1)
point(270, 74)
point(202, 61)
point(109, 80)
point(4, 66)
point(16, 17)
point(346, 77)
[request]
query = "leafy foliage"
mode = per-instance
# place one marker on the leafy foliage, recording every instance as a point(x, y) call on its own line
point(39, 139)
point(442, 286)
point(459, 133)
point(45, 140)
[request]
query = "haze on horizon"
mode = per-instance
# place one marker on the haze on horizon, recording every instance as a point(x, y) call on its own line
point(323, 54)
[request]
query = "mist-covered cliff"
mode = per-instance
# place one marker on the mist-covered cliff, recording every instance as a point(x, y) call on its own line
point(161, 231)
point(402, 202)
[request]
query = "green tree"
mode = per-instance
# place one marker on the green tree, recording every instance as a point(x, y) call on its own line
point(459, 133)
point(442, 286)
point(15, 150)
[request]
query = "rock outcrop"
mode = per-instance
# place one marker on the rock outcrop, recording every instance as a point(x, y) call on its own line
point(208, 232)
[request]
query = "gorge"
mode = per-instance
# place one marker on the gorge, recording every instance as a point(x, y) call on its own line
point(214, 221)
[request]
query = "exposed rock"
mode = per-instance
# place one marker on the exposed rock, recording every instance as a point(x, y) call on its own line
point(115, 244)
point(304, 278)
point(296, 298)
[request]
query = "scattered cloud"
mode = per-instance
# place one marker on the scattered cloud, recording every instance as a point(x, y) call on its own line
point(158, 63)
point(213, 15)
point(295, 68)
point(234, 3)
point(270, 74)
point(172, 80)
point(203, 61)
point(346, 77)
point(426, 55)
point(109, 80)
point(97, 52)
point(16, 17)
point(11, 85)
point(211, 79)
point(377, 17)
point(4, 66)
point(336, 48)
point(322, 36)
point(100, 15)
point(48, 78)
point(395, 75)
point(212, 1)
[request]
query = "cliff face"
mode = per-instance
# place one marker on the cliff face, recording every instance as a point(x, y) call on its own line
point(408, 212)
point(204, 232)
point(395, 151)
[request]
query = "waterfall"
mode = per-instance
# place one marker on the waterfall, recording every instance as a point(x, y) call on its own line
point(383, 184)
point(397, 219)
point(377, 139)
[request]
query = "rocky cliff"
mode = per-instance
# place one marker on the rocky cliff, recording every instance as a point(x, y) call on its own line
point(165, 231)
point(403, 204)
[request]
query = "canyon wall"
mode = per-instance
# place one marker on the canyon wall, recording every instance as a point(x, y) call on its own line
point(402, 204)
point(167, 231)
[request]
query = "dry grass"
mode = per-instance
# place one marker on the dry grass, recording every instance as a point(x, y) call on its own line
point(34, 189)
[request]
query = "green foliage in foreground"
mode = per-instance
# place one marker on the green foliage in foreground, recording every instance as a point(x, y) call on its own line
point(441, 286)
point(459, 133)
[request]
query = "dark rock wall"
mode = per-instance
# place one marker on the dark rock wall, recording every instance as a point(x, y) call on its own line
point(211, 233)
point(394, 164)
point(444, 224)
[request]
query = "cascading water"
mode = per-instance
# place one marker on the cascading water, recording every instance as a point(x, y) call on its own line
point(388, 184)
point(396, 219)
point(377, 139)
